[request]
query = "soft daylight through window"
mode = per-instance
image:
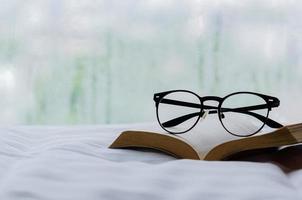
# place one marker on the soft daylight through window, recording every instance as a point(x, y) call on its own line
point(88, 62)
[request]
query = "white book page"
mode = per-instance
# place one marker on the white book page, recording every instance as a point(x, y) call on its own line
point(209, 133)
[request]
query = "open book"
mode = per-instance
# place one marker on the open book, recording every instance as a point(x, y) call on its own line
point(209, 141)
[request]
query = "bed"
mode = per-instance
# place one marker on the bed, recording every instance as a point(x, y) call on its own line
point(74, 163)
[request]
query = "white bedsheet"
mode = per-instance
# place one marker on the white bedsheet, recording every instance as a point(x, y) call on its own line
point(74, 163)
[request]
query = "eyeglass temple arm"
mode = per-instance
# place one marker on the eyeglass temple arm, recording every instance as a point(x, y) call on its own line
point(174, 122)
point(246, 110)
point(271, 123)
point(196, 105)
point(179, 120)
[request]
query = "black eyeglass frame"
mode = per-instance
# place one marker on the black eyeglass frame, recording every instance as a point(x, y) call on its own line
point(271, 102)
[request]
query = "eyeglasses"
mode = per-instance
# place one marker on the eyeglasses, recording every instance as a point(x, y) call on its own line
point(178, 111)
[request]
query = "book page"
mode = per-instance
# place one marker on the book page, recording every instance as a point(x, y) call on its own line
point(209, 133)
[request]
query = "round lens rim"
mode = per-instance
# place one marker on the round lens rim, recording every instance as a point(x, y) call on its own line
point(236, 93)
point(174, 91)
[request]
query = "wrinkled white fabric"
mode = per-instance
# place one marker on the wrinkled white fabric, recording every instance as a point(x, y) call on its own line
point(74, 163)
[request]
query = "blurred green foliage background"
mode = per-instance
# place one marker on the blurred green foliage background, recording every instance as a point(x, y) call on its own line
point(89, 62)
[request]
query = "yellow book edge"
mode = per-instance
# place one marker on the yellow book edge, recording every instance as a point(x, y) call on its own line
point(180, 148)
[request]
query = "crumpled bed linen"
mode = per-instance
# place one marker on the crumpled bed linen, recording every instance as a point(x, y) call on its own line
point(74, 163)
